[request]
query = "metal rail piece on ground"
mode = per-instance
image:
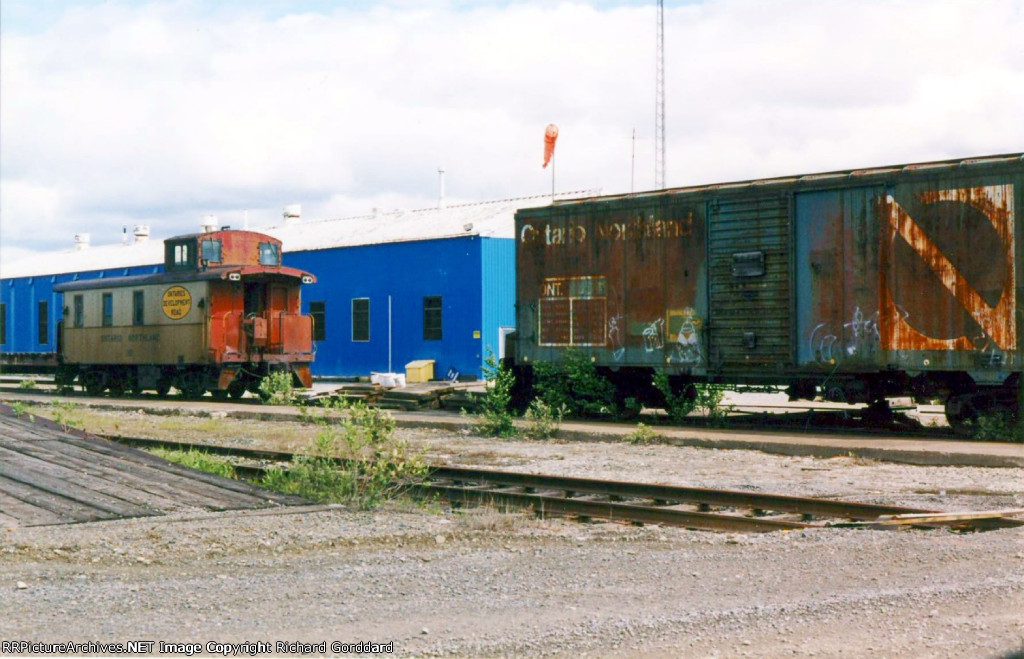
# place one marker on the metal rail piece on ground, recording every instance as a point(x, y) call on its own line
point(571, 496)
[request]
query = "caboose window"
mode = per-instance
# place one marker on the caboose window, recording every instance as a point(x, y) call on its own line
point(138, 308)
point(361, 319)
point(79, 306)
point(43, 328)
point(108, 309)
point(432, 318)
point(211, 251)
point(270, 254)
point(318, 310)
point(179, 256)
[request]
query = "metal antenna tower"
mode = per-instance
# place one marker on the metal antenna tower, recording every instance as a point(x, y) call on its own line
point(659, 104)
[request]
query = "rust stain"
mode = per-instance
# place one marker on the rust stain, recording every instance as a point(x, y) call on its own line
point(997, 322)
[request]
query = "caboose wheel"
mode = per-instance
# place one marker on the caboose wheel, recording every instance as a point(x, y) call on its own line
point(163, 387)
point(192, 387)
point(93, 383)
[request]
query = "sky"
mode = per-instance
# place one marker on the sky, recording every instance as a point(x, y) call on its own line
point(114, 114)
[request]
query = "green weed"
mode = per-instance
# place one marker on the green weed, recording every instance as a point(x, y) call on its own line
point(276, 388)
point(495, 419)
point(542, 420)
point(355, 459)
point(197, 459)
point(642, 435)
point(66, 415)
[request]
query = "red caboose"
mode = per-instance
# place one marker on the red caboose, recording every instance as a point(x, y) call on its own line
point(222, 315)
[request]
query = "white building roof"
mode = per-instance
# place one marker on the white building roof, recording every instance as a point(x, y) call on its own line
point(492, 219)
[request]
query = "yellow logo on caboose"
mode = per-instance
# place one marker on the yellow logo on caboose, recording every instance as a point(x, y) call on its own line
point(177, 302)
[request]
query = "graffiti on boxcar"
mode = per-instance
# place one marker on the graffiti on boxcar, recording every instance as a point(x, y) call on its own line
point(615, 338)
point(640, 228)
point(687, 347)
point(654, 336)
point(862, 338)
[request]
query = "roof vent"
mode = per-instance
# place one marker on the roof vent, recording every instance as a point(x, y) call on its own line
point(141, 233)
point(209, 223)
point(292, 213)
point(81, 241)
point(440, 191)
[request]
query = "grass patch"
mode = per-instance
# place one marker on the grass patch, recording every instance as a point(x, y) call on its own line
point(197, 459)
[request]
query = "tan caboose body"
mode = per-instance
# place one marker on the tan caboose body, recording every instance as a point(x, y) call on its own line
point(222, 315)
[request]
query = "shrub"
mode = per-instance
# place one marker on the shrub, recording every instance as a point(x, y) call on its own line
point(677, 405)
point(355, 459)
point(495, 419)
point(997, 427)
point(575, 386)
point(276, 388)
point(543, 421)
point(704, 398)
point(27, 383)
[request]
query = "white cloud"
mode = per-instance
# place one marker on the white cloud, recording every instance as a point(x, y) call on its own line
point(115, 114)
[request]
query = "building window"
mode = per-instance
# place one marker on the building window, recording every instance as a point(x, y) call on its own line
point(432, 318)
point(318, 310)
point(43, 329)
point(211, 251)
point(3, 323)
point(108, 309)
point(138, 308)
point(361, 319)
point(79, 311)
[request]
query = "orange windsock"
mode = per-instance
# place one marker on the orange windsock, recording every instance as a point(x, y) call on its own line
point(550, 135)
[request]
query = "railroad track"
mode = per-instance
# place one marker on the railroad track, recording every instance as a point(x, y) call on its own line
point(636, 503)
point(792, 418)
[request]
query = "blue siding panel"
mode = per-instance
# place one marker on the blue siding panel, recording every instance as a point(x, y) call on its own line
point(406, 272)
point(23, 294)
point(498, 290)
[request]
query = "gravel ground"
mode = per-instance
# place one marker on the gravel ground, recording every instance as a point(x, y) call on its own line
point(478, 583)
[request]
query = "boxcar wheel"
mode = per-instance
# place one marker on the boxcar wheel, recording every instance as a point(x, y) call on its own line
point(236, 389)
point(163, 387)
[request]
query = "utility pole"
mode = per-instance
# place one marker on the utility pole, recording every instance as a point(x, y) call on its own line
point(659, 104)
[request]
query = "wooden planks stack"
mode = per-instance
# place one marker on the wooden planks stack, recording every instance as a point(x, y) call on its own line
point(417, 396)
point(51, 475)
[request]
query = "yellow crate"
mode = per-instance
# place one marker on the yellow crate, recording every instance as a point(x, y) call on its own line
point(421, 370)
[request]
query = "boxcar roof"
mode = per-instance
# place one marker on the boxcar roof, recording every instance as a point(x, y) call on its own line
point(851, 177)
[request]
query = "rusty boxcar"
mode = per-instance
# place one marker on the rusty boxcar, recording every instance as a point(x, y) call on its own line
point(856, 285)
point(222, 315)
